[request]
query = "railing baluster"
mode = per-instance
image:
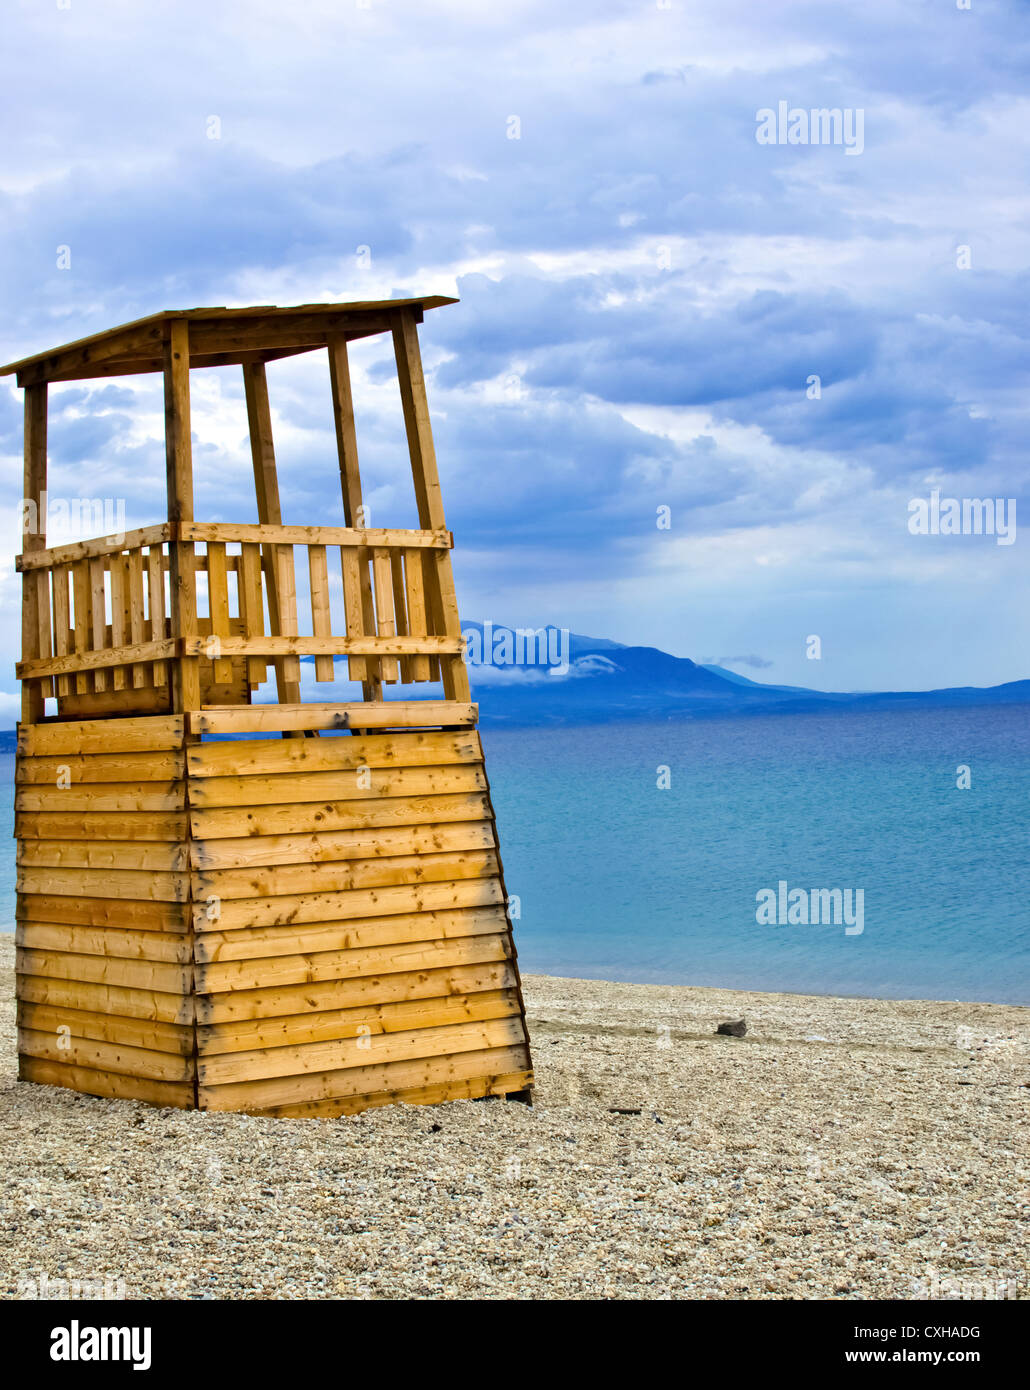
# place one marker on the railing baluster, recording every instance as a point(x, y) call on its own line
point(80, 585)
point(382, 577)
point(350, 568)
point(400, 608)
point(434, 614)
point(42, 581)
point(98, 611)
point(135, 597)
point(156, 595)
point(416, 605)
point(62, 623)
point(373, 667)
point(118, 626)
point(321, 618)
point(287, 585)
point(252, 609)
point(218, 606)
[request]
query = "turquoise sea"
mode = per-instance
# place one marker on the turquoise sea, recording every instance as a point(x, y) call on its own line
point(621, 879)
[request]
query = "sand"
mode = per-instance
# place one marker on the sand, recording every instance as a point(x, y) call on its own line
point(843, 1149)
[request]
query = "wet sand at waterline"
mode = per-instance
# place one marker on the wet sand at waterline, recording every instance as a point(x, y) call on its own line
point(845, 1148)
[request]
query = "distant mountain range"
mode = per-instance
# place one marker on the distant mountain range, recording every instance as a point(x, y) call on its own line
point(606, 683)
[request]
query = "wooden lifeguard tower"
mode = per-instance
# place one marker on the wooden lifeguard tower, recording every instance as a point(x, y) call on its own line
point(310, 919)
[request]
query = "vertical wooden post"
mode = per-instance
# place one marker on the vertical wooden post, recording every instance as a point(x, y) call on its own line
point(368, 671)
point(33, 705)
point(35, 600)
point(184, 672)
point(179, 464)
point(262, 449)
point(440, 595)
point(266, 487)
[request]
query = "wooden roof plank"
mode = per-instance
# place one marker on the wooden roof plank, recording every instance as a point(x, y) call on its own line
point(135, 347)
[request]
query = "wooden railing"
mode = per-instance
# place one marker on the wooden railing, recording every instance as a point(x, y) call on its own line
point(106, 617)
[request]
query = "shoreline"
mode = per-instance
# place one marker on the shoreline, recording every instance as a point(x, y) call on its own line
point(782, 993)
point(842, 1149)
point(9, 931)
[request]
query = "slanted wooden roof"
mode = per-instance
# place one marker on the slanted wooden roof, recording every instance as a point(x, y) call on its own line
point(219, 337)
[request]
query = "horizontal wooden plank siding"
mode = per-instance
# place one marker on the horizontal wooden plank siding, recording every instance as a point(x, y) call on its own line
point(335, 876)
point(329, 1025)
point(363, 1081)
point(113, 883)
point(102, 796)
point(280, 789)
point(355, 1052)
point(73, 769)
point(69, 1050)
point(104, 912)
point(288, 926)
point(314, 937)
point(472, 1088)
point(271, 1001)
point(56, 853)
point(220, 976)
point(164, 976)
point(220, 914)
point(118, 1000)
point(118, 1086)
point(345, 753)
point(241, 719)
point(146, 1033)
point(351, 943)
point(312, 817)
point(330, 846)
point(101, 736)
point(101, 825)
point(104, 940)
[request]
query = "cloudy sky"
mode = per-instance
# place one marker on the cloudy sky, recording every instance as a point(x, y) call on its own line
point(647, 295)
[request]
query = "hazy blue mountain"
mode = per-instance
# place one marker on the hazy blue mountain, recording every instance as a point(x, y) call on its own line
point(738, 679)
point(608, 682)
